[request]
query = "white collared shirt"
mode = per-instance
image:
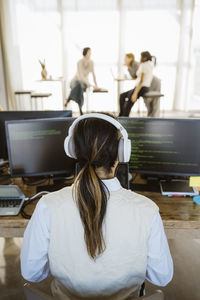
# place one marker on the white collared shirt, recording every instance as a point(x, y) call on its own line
point(34, 253)
point(147, 69)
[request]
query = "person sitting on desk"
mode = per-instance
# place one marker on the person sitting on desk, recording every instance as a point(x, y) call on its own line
point(97, 239)
point(80, 82)
point(144, 75)
point(153, 107)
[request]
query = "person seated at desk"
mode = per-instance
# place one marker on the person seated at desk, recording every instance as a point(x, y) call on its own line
point(80, 82)
point(143, 73)
point(131, 64)
point(153, 104)
point(97, 239)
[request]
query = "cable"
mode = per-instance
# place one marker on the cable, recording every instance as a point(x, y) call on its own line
point(38, 194)
point(28, 201)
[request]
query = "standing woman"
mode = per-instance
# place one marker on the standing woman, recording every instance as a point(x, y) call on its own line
point(144, 78)
point(97, 239)
point(80, 82)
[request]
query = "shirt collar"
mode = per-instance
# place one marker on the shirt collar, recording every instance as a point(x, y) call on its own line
point(112, 184)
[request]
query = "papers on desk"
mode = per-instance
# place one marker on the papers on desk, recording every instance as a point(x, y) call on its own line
point(176, 188)
point(195, 181)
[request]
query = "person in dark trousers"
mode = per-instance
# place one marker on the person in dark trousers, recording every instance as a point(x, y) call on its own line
point(153, 104)
point(143, 82)
point(80, 82)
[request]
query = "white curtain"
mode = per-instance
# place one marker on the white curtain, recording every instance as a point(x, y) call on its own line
point(3, 97)
point(193, 93)
point(183, 92)
point(10, 51)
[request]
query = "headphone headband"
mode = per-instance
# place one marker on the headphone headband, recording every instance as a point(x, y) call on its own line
point(102, 117)
point(124, 147)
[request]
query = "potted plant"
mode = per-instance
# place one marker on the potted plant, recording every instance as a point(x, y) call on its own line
point(44, 71)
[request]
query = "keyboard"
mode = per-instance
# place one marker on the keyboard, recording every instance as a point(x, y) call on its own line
point(11, 200)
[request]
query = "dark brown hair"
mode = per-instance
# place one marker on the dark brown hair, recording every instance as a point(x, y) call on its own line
point(96, 145)
point(85, 51)
point(145, 56)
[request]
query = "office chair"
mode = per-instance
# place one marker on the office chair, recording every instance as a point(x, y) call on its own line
point(33, 293)
point(157, 295)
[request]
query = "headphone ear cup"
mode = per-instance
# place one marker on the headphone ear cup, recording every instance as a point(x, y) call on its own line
point(121, 150)
point(128, 151)
point(124, 150)
point(69, 147)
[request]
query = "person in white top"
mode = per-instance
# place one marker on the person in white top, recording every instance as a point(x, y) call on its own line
point(143, 82)
point(80, 82)
point(153, 103)
point(97, 239)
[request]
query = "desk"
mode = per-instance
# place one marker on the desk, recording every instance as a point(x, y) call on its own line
point(181, 217)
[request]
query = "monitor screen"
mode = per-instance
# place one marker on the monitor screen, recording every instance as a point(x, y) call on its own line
point(36, 147)
point(164, 146)
point(24, 115)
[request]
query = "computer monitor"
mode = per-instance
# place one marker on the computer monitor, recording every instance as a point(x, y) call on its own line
point(24, 115)
point(36, 147)
point(164, 146)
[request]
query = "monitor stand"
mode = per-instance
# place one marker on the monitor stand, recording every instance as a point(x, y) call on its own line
point(151, 186)
point(57, 183)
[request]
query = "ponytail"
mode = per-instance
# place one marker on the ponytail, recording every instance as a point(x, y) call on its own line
point(96, 146)
point(91, 196)
point(154, 60)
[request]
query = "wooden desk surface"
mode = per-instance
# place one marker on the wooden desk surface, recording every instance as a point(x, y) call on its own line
point(181, 216)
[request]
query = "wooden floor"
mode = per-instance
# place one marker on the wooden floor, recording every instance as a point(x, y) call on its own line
point(184, 286)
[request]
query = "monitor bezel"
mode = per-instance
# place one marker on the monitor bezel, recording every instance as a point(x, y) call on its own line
point(12, 174)
point(26, 115)
point(136, 171)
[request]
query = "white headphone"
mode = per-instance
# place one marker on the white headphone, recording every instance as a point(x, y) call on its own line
point(124, 148)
